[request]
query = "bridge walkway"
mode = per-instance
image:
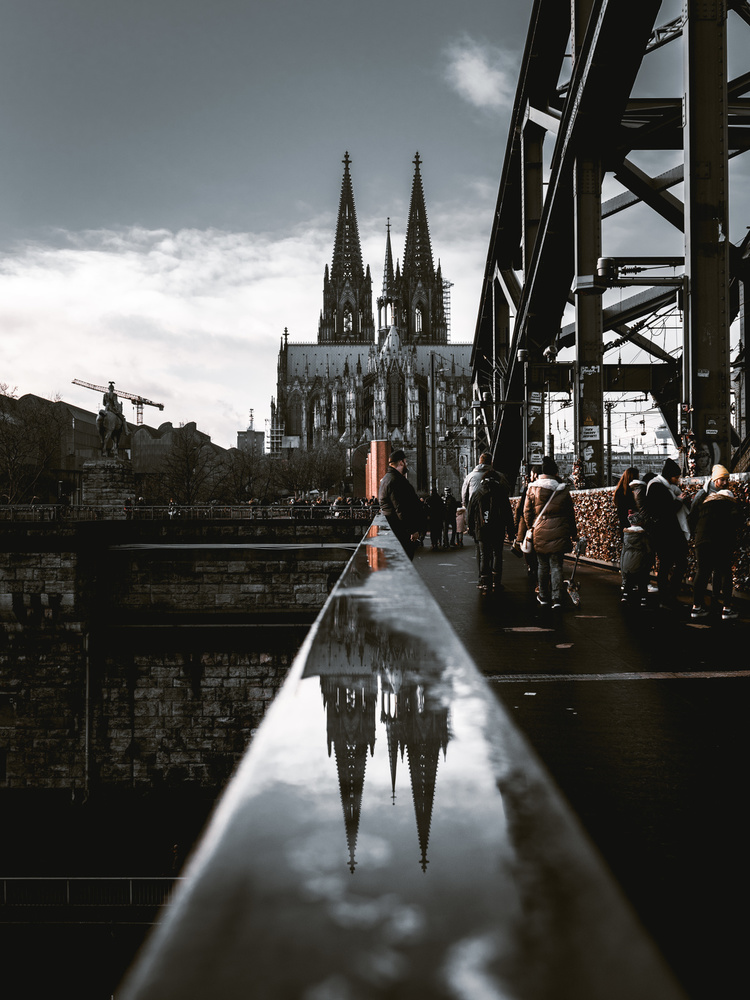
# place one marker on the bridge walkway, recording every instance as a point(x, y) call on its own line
point(640, 716)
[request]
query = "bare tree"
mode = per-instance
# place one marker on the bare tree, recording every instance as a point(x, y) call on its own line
point(192, 470)
point(246, 476)
point(322, 468)
point(31, 432)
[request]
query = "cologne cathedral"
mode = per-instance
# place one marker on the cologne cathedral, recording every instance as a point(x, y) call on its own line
point(398, 382)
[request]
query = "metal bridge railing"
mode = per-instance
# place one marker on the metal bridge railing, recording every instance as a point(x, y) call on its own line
point(389, 833)
point(240, 512)
point(94, 892)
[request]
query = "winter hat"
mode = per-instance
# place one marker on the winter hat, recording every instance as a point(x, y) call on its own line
point(671, 469)
point(718, 471)
point(549, 466)
point(396, 457)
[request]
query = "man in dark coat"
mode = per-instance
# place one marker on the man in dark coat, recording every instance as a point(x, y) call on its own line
point(400, 504)
point(665, 508)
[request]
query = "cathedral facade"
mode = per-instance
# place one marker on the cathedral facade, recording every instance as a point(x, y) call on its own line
point(402, 381)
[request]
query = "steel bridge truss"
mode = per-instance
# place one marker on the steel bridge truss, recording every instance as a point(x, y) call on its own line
point(545, 253)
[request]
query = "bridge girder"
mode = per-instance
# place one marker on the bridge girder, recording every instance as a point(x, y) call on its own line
point(546, 233)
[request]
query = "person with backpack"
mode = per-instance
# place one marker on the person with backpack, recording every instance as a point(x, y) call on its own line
point(490, 518)
point(476, 475)
point(548, 511)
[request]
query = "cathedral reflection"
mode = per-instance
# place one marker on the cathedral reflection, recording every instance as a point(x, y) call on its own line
point(416, 730)
point(374, 679)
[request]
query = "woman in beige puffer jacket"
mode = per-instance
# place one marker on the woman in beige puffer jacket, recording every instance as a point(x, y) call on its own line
point(554, 530)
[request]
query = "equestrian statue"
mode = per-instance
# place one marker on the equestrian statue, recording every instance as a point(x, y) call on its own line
point(111, 422)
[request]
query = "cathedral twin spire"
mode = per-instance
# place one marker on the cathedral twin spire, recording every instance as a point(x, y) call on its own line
point(412, 298)
point(347, 252)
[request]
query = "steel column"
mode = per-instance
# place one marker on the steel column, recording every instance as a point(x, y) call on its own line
point(706, 349)
point(589, 397)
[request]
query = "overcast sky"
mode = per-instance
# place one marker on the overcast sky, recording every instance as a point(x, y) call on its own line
point(170, 173)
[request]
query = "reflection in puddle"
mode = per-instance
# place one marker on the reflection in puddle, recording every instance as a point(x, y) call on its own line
point(415, 729)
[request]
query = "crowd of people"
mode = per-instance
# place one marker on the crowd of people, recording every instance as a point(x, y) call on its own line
point(656, 519)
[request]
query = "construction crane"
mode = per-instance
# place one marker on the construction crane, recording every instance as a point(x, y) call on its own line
point(138, 401)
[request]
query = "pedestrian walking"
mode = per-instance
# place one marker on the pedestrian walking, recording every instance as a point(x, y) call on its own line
point(521, 528)
point(718, 524)
point(667, 513)
point(400, 504)
point(450, 505)
point(490, 518)
point(435, 517)
point(548, 511)
point(475, 476)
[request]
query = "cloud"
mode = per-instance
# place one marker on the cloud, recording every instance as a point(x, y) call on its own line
point(192, 319)
point(482, 74)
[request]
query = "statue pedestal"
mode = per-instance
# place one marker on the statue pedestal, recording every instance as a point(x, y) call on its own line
point(108, 482)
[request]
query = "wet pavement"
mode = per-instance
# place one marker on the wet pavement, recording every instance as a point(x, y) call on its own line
point(640, 716)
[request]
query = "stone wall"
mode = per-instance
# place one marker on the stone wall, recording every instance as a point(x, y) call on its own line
point(98, 690)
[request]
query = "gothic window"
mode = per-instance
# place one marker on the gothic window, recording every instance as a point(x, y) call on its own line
point(294, 417)
point(418, 319)
point(395, 400)
point(341, 412)
point(347, 320)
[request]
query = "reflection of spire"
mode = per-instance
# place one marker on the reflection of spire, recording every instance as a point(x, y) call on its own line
point(389, 715)
point(350, 707)
point(426, 732)
point(422, 731)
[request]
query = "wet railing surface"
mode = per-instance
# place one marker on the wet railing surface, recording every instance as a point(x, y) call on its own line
point(390, 834)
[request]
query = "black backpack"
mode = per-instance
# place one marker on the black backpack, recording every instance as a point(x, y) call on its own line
point(486, 505)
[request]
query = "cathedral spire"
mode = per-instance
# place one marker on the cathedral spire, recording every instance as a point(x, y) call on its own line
point(347, 290)
point(389, 287)
point(418, 250)
point(387, 301)
point(347, 251)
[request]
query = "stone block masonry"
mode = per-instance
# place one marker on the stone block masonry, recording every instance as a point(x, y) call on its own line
point(145, 654)
point(108, 482)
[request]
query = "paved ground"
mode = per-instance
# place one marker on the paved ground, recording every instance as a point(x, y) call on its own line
point(640, 715)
